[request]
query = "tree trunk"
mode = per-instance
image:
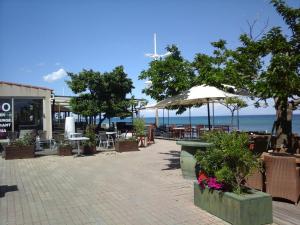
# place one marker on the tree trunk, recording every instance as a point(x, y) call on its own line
point(232, 116)
point(283, 123)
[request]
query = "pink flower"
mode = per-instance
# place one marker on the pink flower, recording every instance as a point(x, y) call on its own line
point(212, 183)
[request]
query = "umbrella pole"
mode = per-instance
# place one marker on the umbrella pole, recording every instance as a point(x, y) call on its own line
point(208, 114)
point(156, 118)
point(238, 119)
point(213, 108)
point(163, 117)
point(190, 122)
point(168, 118)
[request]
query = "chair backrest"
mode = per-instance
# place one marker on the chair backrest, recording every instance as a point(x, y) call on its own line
point(282, 177)
point(261, 143)
point(42, 134)
point(281, 166)
point(199, 126)
point(102, 136)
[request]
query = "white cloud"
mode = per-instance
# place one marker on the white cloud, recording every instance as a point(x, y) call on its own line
point(55, 75)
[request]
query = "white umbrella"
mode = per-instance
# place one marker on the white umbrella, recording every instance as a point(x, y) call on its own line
point(196, 95)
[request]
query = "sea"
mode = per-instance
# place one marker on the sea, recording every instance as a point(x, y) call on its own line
point(246, 122)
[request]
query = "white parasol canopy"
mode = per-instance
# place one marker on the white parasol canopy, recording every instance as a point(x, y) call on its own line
point(196, 95)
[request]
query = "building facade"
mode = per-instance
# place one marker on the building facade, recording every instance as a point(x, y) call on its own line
point(24, 107)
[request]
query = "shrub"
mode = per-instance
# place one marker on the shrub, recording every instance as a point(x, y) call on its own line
point(27, 140)
point(90, 133)
point(139, 127)
point(228, 160)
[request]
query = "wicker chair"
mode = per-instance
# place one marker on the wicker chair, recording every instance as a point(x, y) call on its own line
point(255, 180)
point(282, 177)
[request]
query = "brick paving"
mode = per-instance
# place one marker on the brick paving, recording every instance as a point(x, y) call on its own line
point(144, 187)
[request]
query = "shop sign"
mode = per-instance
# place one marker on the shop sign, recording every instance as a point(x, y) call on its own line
point(5, 117)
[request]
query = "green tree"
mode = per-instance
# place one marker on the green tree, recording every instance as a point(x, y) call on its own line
point(234, 104)
point(169, 76)
point(267, 66)
point(271, 68)
point(102, 95)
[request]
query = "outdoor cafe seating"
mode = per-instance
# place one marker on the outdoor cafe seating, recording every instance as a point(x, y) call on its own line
point(280, 177)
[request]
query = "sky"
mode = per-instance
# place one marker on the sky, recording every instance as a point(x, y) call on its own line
point(42, 39)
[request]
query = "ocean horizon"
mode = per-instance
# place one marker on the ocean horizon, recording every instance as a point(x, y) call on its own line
point(246, 122)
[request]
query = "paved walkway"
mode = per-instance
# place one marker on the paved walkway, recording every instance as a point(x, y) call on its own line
point(144, 187)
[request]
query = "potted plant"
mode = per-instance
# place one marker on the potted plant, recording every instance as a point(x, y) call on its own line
point(223, 170)
point(21, 148)
point(127, 145)
point(140, 133)
point(89, 147)
point(65, 149)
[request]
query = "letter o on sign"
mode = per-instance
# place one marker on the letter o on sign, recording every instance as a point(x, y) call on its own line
point(5, 107)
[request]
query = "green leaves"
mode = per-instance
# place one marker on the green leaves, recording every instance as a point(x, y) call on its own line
point(229, 160)
point(100, 93)
point(169, 76)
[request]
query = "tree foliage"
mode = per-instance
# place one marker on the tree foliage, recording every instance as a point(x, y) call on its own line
point(169, 76)
point(102, 95)
point(234, 104)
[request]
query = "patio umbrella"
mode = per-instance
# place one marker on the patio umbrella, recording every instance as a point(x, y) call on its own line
point(202, 94)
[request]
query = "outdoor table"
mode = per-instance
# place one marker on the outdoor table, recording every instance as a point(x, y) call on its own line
point(187, 157)
point(75, 134)
point(78, 140)
point(179, 129)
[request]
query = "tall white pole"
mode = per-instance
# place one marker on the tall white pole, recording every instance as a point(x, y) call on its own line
point(154, 43)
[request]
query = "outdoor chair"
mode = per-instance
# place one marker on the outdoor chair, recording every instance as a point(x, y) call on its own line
point(105, 141)
point(200, 129)
point(188, 131)
point(255, 180)
point(150, 134)
point(43, 139)
point(282, 177)
point(12, 135)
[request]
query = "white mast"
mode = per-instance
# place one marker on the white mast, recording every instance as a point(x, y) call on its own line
point(154, 55)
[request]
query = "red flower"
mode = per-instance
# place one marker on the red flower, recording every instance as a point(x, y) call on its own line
point(202, 179)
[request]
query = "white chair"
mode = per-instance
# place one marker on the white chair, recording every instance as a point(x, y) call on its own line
point(42, 139)
point(104, 140)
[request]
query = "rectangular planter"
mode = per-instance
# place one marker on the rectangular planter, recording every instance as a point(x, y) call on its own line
point(248, 209)
point(126, 146)
point(88, 150)
point(16, 152)
point(65, 150)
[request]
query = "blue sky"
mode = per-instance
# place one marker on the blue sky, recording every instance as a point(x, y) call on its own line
point(42, 37)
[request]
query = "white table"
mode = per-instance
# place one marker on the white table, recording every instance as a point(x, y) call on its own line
point(75, 134)
point(78, 140)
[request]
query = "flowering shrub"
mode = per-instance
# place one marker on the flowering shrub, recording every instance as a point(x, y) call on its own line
point(227, 163)
point(210, 182)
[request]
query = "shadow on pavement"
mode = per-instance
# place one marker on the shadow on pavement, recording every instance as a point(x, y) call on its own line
point(173, 158)
point(5, 188)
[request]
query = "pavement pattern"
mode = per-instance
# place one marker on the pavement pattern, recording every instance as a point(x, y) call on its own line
point(136, 188)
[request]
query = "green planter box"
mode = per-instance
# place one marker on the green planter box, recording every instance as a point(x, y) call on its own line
point(187, 157)
point(248, 209)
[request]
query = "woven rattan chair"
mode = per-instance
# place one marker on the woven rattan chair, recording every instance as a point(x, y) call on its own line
point(255, 180)
point(282, 177)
